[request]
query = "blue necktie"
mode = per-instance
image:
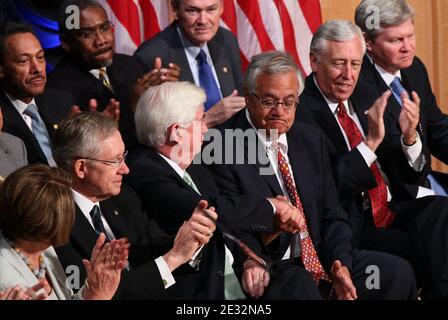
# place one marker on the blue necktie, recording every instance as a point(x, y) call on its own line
point(207, 81)
point(397, 89)
point(39, 131)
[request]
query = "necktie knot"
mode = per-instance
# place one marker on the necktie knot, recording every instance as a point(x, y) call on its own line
point(201, 58)
point(341, 110)
point(32, 112)
point(103, 77)
point(397, 89)
point(95, 214)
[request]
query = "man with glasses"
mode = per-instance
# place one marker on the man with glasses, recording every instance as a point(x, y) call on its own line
point(296, 166)
point(94, 75)
point(90, 148)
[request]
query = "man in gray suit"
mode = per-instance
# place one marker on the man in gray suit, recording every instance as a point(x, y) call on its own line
point(12, 152)
point(196, 43)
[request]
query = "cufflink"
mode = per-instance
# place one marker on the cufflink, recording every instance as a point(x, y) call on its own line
point(55, 126)
point(164, 282)
point(304, 235)
point(116, 212)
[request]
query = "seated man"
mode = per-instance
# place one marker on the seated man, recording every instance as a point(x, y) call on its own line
point(368, 167)
point(295, 163)
point(170, 126)
point(90, 148)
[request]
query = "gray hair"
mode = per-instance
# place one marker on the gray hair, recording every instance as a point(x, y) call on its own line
point(269, 62)
point(81, 136)
point(335, 30)
point(391, 13)
point(163, 105)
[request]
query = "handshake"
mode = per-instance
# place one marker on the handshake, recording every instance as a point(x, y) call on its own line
point(287, 218)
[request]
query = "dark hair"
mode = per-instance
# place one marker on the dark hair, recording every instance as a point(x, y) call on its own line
point(9, 29)
point(81, 4)
point(36, 204)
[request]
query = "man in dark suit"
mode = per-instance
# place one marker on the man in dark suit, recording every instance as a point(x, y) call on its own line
point(195, 30)
point(95, 76)
point(391, 64)
point(90, 148)
point(23, 97)
point(370, 170)
point(323, 249)
point(170, 127)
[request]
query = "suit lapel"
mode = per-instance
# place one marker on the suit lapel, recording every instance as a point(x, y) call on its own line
point(15, 125)
point(83, 233)
point(323, 116)
point(221, 63)
point(177, 53)
point(114, 218)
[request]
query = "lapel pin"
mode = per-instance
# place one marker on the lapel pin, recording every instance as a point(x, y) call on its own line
point(116, 212)
point(225, 70)
point(55, 126)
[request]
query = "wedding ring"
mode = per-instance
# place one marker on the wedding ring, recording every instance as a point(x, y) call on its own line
point(210, 233)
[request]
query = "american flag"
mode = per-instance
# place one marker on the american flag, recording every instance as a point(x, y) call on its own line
point(259, 25)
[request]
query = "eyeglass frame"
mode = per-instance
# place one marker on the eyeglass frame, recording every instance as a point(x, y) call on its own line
point(113, 163)
point(276, 102)
point(92, 32)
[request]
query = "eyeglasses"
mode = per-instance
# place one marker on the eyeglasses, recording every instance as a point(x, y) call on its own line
point(272, 103)
point(112, 163)
point(90, 33)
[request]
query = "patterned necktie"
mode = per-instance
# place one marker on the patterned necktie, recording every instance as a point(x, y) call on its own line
point(397, 89)
point(103, 77)
point(382, 215)
point(95, 214)
point(309, 256)
point(39, 131)
point(207, 80)
point(190, 182)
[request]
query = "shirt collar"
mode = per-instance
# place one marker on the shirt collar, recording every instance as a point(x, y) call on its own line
point(282, 142)
point(83, 203)
point(387, 76)
point(19, 104)
point(174, 165)
point(333, 105)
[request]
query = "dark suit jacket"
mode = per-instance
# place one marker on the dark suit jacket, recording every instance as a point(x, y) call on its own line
point(223, 49)
point(327, 221)
point(14, 124)
point(73, 77)
point(126, 219)
point(171, 201)
point(434, 123)
point(351, 173)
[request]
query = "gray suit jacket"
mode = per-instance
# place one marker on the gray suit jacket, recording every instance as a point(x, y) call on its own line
point(14, 271)
point(12, 154)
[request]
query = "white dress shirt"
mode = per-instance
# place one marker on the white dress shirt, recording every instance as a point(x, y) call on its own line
point(85, 205)
point(192, 52)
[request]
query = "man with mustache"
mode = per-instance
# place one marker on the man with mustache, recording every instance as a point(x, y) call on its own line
point(391, 64)
point(197, 43)
point(24, 100)
point(91, 70)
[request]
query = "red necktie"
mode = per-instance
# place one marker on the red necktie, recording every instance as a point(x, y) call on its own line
point(382, 215)
point(309, 256)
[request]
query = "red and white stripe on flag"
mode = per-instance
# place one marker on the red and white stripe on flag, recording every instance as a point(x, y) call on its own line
point(259, 25)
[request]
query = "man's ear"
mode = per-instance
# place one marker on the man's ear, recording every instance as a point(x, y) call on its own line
point(80, 168)
point(173, 133)
point(313, 61)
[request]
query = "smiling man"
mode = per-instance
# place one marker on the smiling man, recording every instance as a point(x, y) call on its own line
point(391, 64)
point(207, 54)
point(22, 95)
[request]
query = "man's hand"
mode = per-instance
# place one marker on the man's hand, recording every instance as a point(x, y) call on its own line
point(342, 282)
point(409, 117)
point(255, 278)
point(375, 117)
point(112, 110)
point(192, 234)
point(154, 77)
point(224, 109)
